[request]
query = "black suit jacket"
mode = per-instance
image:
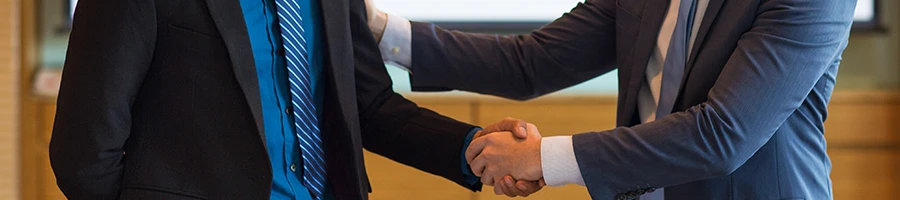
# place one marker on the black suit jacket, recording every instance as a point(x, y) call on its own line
point(160, 100)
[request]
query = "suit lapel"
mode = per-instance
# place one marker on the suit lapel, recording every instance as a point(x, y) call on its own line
point(229, 20)
point(651, 22)
point(712, 11)
point(708, 19)
point(343, 145)
point(335, 14)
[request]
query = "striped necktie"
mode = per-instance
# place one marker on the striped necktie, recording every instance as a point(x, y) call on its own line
point(305, 119)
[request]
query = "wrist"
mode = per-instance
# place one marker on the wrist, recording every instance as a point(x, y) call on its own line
point(538, 168)
point(377, 24)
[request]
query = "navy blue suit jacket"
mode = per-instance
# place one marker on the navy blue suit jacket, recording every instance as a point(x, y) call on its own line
point(748, 121)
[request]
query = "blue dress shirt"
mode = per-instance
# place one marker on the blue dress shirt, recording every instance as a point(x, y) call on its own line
point(274, 91)
point(281, 140)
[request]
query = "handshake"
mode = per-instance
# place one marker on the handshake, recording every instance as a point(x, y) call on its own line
point(507, 155)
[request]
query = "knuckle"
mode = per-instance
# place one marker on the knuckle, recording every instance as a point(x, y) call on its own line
point(490, 139)
point(489, 154)
point(487, 170)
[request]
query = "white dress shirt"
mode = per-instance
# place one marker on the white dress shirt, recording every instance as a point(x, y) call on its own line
point(557, 154)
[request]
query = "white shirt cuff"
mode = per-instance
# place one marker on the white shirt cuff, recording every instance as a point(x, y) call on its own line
point(558, 161)
point(396, 42)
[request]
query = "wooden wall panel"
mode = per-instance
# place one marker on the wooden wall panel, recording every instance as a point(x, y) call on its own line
point(45, 125)
point(865, 173)
point(860, 124)
point(47, 181)
point(555, 116)
point(9, 99)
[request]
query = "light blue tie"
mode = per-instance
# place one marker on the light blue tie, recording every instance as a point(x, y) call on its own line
point(673, 69)
point(305, 120)
point(676, 58)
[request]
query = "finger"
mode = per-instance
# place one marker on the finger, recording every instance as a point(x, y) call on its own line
point(509, 186)
point(517, 126)
point(525, 185)
point(542, 183)
point(478, 134)
point(528, 187)
point(507, 189)
point(475, 148)
point(488, 176)
point(487, 180)
point(498, 189)
point(478, 164)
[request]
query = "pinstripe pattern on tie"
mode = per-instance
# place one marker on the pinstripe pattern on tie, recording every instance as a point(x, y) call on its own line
point(305, 120)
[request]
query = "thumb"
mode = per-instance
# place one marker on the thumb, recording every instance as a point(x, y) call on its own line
point(516, 126)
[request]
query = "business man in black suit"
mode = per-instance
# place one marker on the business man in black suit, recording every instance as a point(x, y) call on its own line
point(160, 100)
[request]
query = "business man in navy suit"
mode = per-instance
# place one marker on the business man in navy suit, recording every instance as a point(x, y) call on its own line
point(718, 99)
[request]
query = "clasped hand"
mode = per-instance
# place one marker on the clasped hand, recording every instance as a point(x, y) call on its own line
point(507, 151)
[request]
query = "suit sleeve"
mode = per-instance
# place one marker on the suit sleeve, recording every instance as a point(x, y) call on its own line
point(792, 45)
point(395, 127)
point(578, 46)
point(110, 50)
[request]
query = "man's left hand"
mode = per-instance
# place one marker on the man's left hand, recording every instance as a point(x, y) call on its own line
point(376, 19)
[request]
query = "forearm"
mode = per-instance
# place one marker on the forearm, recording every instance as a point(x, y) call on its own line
point(513, 66)
point(576, 47)
point(418, 137)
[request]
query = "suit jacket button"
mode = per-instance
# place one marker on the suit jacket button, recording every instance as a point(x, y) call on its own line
point(621, 196)
point(641, 191)
point(289, 110)
point(632, 194)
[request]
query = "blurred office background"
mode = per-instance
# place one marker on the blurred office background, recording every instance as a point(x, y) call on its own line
point(862, 128)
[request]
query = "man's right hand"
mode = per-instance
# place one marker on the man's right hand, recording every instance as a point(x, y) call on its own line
point(508, 185)
point(377, 20)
